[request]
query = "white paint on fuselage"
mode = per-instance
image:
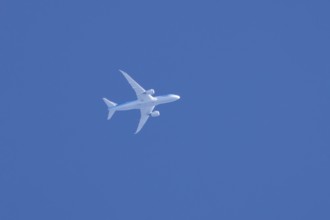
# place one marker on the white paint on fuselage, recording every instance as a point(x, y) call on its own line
point(137, 104)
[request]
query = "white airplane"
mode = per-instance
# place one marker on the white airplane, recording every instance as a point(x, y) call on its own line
point(146, 102)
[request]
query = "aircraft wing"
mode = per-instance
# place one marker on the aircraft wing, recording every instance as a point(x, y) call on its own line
point(145, 114)
point(139, 90)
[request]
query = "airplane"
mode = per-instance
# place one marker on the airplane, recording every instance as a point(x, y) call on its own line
point(145, 102)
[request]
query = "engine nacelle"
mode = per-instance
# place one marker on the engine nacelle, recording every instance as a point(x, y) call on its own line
point(150, 92)
point(155, 114)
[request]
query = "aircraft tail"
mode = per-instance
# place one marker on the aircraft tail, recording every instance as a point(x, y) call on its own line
point(111, 108)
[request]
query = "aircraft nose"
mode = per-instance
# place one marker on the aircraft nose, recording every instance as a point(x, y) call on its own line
point(177, 97)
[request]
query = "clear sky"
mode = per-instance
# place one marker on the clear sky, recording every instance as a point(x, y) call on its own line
point(249, 138)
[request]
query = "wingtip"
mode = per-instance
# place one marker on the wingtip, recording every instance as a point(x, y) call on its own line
point(137, 131)
point(125, 74)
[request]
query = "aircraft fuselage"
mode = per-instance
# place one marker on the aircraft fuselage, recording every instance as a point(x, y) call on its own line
point(154, 101)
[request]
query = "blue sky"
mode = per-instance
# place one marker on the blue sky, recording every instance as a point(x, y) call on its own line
point(249, 138)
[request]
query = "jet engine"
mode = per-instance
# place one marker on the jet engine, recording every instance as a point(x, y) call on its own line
point(150, 92)
point(155, 114)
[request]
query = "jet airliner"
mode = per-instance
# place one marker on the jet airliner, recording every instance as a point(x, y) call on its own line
point(145, 102)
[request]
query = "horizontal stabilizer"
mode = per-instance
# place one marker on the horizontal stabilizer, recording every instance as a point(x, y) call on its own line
point(111, 112)
point(109, 103)
point(111, 108)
